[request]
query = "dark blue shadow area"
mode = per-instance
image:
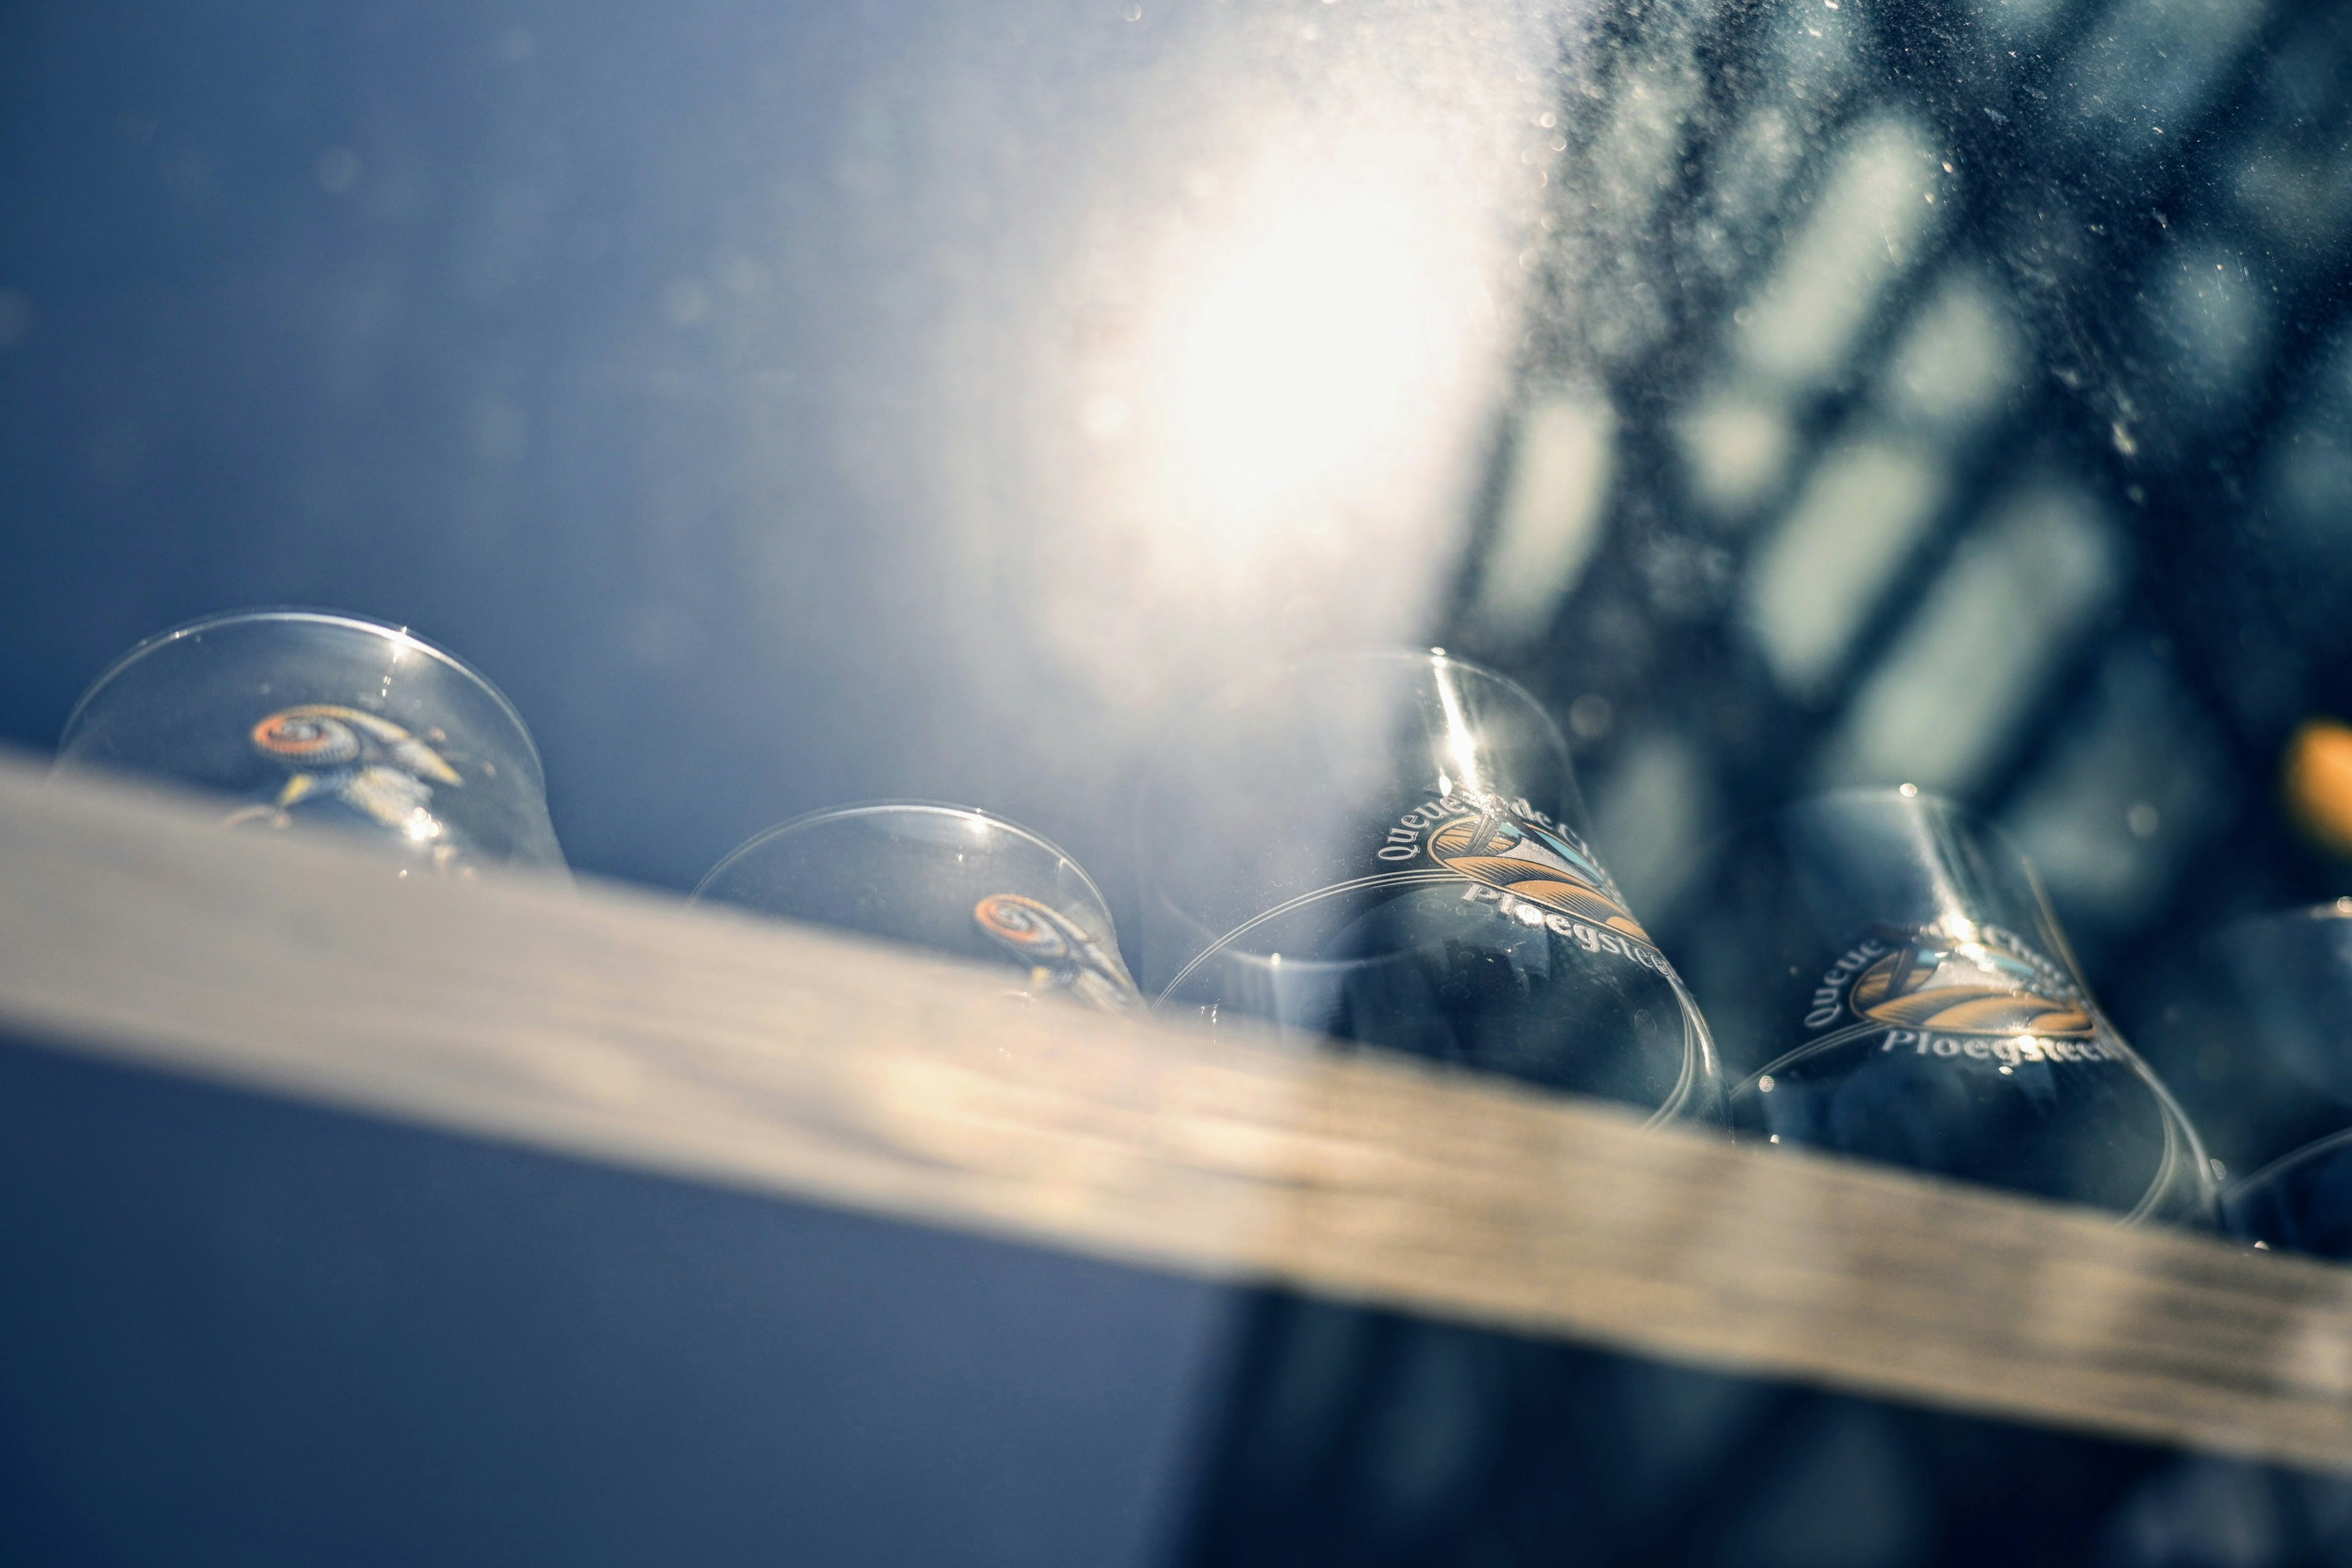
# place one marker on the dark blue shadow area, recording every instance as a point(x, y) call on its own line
point(605, 345)
point(1367, 1437)
point(395, 311)
point(240, 1332)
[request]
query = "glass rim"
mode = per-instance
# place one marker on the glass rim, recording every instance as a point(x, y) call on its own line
point(1768, 817)
point(297, 613)
point(2285, 1165)
point(1974, 819)
point(1376, 654)
point(891, 806)
point(1366, 656)
point(1904, 790)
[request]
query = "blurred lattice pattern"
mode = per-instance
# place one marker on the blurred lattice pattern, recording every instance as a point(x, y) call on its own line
point(1956, 394)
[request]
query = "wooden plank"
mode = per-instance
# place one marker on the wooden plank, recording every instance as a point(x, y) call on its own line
point(617, 1026)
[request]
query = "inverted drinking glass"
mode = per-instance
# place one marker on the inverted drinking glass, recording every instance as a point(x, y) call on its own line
point(945, 877)
point(1390, 850)
point(1892, 964)
point(309, 717)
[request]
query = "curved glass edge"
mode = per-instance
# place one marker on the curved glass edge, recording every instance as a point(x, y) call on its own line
point(2238, 1192)
point(1697, 1097)
point(2183, 1189)
point(1359, 657)
point(2182, 1192)
point(1575, 807)
point(877, 807)
point(1700, 1098)
point(292, 613)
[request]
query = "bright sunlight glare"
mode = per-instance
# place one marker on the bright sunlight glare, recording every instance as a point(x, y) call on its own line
point(1300, 351)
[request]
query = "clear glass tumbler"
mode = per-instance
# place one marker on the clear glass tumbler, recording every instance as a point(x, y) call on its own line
point(306, 716)
point(1390, 850)
point(1892, 963)
point(945, 877)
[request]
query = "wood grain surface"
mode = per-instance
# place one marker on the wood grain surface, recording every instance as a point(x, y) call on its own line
point(616, 1026)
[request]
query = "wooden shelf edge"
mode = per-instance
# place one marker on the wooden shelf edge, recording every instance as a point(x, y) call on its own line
point(614, 1026)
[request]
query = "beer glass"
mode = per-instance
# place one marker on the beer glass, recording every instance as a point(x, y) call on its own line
point(308, 717)
point(1892, 964)
point(1388, 849)
point(945, 877)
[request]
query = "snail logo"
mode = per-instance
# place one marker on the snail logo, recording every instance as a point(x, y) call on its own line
point(367, 763)
point(1547, 868)
point(1060, 956)
point(1994, 985)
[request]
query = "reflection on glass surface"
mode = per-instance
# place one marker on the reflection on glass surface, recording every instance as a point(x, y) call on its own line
point(1656, 807)
point(2145, 66)
point(1390, 850)
point(324, 718)
point(1865, 226)
point(1296, 346)
point(1948, 696)
point(943, 878)
point(2216, 310)
point(1861, 516)
point(1550, 520)
point(1737, 443)
point(1259, 323)
point(1959, 359)
point(1908, 997)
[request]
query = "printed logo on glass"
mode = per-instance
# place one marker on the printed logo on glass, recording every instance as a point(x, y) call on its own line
point(1543, 865)
point(1988, 996)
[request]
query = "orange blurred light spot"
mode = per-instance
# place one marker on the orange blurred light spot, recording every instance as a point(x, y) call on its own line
point(2317, 781)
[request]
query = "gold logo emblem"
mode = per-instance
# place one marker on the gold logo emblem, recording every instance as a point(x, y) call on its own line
point(1060, 955)
point(1975, 987)
point(362, 760)
point(1549, 869)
